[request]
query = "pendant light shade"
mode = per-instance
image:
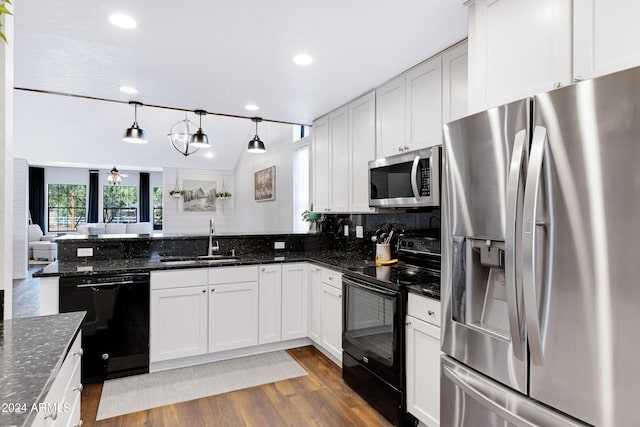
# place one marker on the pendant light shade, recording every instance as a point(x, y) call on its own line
point(200, 139)
point(256, 145)
point(135, 134)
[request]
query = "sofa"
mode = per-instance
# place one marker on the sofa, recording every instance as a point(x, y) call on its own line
point(40, 245)
point(113, 228)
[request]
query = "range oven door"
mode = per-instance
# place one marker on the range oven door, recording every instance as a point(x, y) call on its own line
point(372, 328)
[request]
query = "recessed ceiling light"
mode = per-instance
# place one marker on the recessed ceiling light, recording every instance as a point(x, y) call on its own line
point(303, 59)
point(123, 21)
point(251, 107)
point(209, 155)
point(128, 89)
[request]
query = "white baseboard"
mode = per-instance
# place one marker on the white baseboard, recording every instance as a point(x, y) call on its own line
point(229, 354)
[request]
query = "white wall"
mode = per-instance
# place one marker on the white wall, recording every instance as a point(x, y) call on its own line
point(177, 221)
point(20, 218)
point(268, 216)
point(6, 163)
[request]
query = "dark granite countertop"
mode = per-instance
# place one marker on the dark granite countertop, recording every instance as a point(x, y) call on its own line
point(335, 259)
point(31, 354)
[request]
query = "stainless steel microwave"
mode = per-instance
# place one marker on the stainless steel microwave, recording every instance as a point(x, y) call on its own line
point(406, 180)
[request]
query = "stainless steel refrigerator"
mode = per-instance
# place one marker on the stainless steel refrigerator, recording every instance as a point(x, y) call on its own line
point(541, 260)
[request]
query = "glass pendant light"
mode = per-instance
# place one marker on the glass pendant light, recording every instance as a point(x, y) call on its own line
point(135, 134)
point(200, 139)
point(256, 145)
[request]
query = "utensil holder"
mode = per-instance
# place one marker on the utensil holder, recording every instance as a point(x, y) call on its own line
point(383, 252)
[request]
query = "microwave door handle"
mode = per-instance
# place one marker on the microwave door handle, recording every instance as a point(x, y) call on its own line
point(414, 178)
point(529, 245)
point(512, 250)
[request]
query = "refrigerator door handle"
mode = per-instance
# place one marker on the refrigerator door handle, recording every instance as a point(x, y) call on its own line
point(512, 249)
point(414, 180)
point(529, 245)
point(484, 400)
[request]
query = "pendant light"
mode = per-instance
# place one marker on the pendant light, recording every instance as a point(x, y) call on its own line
point(200, 139)
point(255, 145)
point(135, 134)
point(180, 137)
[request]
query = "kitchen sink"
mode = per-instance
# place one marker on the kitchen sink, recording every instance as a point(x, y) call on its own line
point(203, 259)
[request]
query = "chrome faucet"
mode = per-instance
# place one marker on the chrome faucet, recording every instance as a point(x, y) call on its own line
point(212, 232)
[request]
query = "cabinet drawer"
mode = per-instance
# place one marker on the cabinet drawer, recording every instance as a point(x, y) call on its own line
point(178, 278)
point(424, 308)
point(331, 278)
point(233, 274)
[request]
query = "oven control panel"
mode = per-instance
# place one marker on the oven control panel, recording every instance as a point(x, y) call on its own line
point(427, 245)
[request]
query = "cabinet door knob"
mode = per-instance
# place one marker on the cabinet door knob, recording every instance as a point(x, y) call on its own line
point(213, 289)
point(577, 79)
point(79, 353)
point(79, 424)
point(430, 312)
point(399, 148)
point(408, 323)
point(204, 291)
point(78, 389)
point(556, 85)
point(53, 415)
point(262, 269)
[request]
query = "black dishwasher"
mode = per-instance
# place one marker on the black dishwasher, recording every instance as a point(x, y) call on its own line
point(115, 332)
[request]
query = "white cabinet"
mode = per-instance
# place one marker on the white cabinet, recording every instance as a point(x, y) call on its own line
point(331, 299)
point(321, 166)
point(605, 36)
point(339, 164)
point(233, 308)
point(343, 144)
point(409, 110)
point(390, 117)
point(423, 359)
point(295, 300)
point(517, 48)
point(454, 82)
point(362, 149)
point(270, 303)
point(178, 315)
point(424, 104)
point(61, 405)
point(178, 322)
point(315, 304)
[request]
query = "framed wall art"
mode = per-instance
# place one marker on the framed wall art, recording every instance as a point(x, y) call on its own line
point(264, 184)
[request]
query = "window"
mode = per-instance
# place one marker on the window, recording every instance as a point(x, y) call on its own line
point(157, 208)
point(120, 204)
point(300, 186)
point(300, 131)
point(67, 206)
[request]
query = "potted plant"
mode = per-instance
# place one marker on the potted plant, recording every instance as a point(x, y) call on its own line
point(312, 218)
point(223, 195)
point(177, 193)
point(4, 11)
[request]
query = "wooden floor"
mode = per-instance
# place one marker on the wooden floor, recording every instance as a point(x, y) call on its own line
point(320, 398)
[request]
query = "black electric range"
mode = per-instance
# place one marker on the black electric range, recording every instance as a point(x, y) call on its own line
point(418, 266)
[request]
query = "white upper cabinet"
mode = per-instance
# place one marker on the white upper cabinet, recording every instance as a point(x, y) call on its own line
point(339, 165)
point(423, 110)
point(454, 83)
point(321, 165)
point(362, 149)
point(606, 34)
point(517, 48)
point(390, 117)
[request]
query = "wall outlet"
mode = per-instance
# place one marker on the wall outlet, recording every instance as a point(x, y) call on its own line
point(346, 230)
point(359, 231)
point(278, 245)
point(85, 252)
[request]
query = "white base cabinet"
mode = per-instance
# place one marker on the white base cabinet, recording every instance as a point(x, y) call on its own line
point(270, 303)
point(295, 300)
point(423, 359)
point(233, 308)
point(315, 306)
point(332, 320)
point(179, 312)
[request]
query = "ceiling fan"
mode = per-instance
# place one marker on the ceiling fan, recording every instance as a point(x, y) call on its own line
point(115, 177)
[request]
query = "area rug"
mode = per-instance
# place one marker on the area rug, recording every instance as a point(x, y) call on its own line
point(140, 392)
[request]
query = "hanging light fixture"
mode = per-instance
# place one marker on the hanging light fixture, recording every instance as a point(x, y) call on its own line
point(180, 136)
point(200, 139)
point(135, 134)
point(114, 177)
point(256, 145)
